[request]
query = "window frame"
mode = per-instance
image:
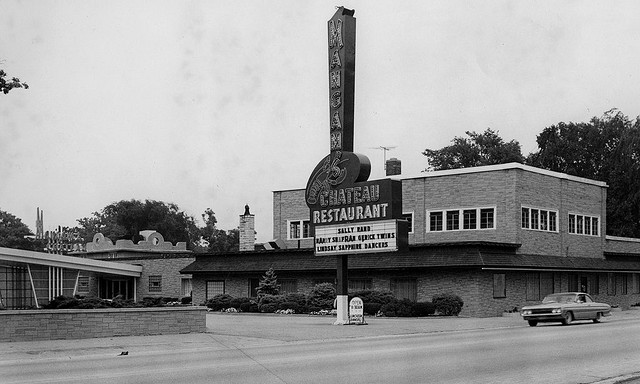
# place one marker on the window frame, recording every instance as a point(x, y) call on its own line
point(546, 219)
point(224, 288)
point(303, 225)
point(460, 222)
point(577, 224)
point(410, 214)
point(155, 283)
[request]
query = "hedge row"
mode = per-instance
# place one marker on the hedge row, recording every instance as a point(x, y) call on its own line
point(376, 303)
point(80, 302)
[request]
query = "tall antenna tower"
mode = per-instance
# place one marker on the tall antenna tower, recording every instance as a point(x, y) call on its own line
point(384, 149)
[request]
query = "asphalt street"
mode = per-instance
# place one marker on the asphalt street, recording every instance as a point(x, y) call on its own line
point(271, 348)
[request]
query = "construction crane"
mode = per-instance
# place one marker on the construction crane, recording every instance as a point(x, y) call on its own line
point(384, 149)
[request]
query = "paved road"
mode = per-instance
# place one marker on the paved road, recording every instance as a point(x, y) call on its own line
point(269, 349)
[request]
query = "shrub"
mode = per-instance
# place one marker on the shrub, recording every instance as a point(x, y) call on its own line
point(219, 302)
point(421, 309)
point(399, 308)
point(448, 304)
point(238, 301)
point(186, 300)
point(250, 306)
point(300, 299)
point(152, 301)
point(292, 305)
point(322, 296)
point(371, 296)
point(268, 308)
point(372, 309)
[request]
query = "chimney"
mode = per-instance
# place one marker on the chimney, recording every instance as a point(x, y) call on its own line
point(393, 167)
point(247, 231)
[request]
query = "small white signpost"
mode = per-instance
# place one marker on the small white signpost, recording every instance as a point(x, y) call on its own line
point(356, 312)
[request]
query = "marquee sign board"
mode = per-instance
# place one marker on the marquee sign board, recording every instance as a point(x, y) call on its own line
point(368, 237)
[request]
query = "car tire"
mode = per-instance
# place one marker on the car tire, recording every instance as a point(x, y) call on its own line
point(532, 323)
point(567, 318)
point(598, 317)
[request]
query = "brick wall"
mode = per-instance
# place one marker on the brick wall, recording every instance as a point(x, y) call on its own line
point(56, 324)
point(169, 269)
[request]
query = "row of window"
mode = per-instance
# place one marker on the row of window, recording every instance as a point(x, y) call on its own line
point(541, 284)
point(464, 219)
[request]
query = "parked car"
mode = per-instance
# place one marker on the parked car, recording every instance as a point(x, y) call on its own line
point(565, 308)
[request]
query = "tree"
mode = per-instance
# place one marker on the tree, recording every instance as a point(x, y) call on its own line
point(217, 240)
point(268, 285)
point(7, 85)
point(607, 148)
point(15, 234)
point(125, 219)
point(478, 149)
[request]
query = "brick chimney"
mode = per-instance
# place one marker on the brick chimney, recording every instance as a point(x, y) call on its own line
point(393, 167)
point(247, 230)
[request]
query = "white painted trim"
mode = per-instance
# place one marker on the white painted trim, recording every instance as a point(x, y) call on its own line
point(627, 239)
point(33, 287)
point(69, 262)
point(508, 166)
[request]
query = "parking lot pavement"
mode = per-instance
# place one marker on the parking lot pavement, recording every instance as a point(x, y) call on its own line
point(241, 330)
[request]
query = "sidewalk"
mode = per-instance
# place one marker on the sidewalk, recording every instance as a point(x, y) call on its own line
point(260, 330)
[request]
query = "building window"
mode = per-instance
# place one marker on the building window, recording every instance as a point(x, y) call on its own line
point(453, 220)
point(214, 287)
point(83, 284)
point(185, 287)
point(636, 282)
point(584, 225)
point(409, 217)
point(472, 218)
point(499, 286)
point(288, 286)
point(155, 283)
point(356, 285)
point(299, 229)
point(539, 285)
point(435, 221)
point(405, 288)
point(539, 219)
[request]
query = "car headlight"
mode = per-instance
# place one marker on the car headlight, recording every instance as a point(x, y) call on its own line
point(526, 312)
point(556, 310)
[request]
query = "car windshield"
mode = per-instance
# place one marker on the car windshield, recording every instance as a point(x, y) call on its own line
point(559, 299)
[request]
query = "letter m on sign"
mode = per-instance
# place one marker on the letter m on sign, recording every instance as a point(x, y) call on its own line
point(335, 34)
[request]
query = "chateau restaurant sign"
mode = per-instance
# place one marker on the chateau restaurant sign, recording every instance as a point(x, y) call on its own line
point(348, 213)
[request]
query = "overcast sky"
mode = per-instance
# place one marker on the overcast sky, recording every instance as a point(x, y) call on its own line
point(218, 103)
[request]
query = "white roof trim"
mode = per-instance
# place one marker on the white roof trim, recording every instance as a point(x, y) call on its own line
point(69, 262)
point(628, 239)
point(501, 167)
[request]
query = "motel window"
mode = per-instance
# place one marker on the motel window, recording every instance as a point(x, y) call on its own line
point(299, 229)
point(472, 218)
point(185, 287)
point(409, 217)
point(404, 288)
point(636, 282)
point(584, 225)
point(155, 283)
point(253, 287)
point(539, 285)
point(83, 284)
point(356, 285)
point(288, 286)
point(624, 282)
point(539, 219)
point(499, 286)
point(214, 287)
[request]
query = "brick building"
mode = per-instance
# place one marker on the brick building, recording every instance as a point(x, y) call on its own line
point(160, 260)
point(498, 236)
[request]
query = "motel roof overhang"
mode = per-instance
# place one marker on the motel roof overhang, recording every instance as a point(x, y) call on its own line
point(475, 255)
point(21, 257)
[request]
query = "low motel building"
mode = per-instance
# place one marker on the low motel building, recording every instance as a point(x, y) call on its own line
point(500, 237)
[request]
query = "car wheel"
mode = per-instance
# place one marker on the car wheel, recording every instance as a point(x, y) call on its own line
point(567, 318)
point(598, 317)
point(533, 323)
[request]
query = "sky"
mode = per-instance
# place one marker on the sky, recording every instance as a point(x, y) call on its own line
point(216, 104)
